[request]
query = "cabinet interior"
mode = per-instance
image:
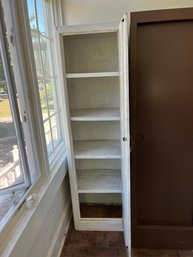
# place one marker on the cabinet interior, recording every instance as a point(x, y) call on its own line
point(95, 52)
point(100, 93)
point(93, 86)
point(96, 130)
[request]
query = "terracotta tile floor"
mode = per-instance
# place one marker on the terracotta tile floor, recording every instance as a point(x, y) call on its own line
point(108, 244)
point(93, 244)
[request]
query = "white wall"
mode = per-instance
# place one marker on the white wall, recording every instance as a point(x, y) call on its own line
point(46, 230)
point(53, 218)
point(99, 11)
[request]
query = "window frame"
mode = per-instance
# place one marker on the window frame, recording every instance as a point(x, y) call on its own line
point(9, 81)
point(26, 93)
point(46, 4)
point(28, 96)
point(21, 51)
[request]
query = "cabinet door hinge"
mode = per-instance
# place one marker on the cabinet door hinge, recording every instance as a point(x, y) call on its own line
point(124, 138)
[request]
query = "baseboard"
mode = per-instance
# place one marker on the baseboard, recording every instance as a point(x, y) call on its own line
point(60, 235)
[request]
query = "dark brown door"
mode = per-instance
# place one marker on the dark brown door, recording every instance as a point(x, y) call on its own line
point(161, 95)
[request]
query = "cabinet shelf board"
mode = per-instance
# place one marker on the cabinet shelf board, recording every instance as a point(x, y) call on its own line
point(92, 75)
point(97, 149)
point(95, 114)
point(99, 181)
point(100, 224)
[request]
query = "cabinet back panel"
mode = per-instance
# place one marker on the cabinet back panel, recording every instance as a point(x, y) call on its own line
point(100, 198)
point(98, 164)
point(96, 130)
point(100, 211)
point(91, 52)
point(94, 93)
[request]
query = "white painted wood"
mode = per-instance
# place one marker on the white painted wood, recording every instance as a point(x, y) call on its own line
point(95, 114)
point(24, 224)
point(94, 93)
point(59, 237)
point(98, 164)
point(23, 74)
point(19, 154)
point(99, 181)
point(96, 90)
point(66, 123)
point(101, 198)
point(97, 149)
point(96, 130)
point(125, 146)
point(91, 53)
point(100, 224)
point(88, 28)
point(92, 75)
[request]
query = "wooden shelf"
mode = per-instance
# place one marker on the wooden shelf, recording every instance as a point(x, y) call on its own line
point(96, 114)
point(92, 75)
point(97, 149)
point(99, 181)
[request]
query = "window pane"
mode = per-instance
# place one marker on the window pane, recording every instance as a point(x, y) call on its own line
point(37, 54)
point(11, 172)
point(40, 15)
point(10, 167)
point(31, 12)
point(16, 148)
point(2, 77)
point(43, 51)
point(48, 135)
point(52, 105)
point(46, 57)
point(9, 201)
point(54, 124)
point(43, 99)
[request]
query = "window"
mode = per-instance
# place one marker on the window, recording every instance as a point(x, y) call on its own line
point(15, 175)
point(42, 40)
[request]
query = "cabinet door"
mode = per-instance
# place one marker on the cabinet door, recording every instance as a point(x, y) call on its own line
point(124, 110)
point(161, 96)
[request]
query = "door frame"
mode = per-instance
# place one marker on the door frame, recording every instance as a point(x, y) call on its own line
point(138, 18)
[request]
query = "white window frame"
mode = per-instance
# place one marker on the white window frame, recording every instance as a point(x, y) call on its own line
point(15, 115)
point(26, 93)
point(28, 107)
point(17, 25)
point(21, 50)
point(60, 148)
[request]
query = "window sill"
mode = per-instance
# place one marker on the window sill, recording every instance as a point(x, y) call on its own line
point(46, 189)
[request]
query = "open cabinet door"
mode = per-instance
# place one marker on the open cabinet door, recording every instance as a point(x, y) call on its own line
point(125, 138)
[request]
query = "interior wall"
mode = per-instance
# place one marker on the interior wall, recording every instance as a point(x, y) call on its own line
point(99, 11)
point(51, 222)
point(46, 230)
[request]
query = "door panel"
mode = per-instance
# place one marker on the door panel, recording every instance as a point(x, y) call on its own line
point(162, 125)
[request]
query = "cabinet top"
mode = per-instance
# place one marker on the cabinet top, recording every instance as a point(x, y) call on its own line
point(87, 28)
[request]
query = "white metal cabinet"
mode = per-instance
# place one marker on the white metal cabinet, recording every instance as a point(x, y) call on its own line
point(93, 62)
